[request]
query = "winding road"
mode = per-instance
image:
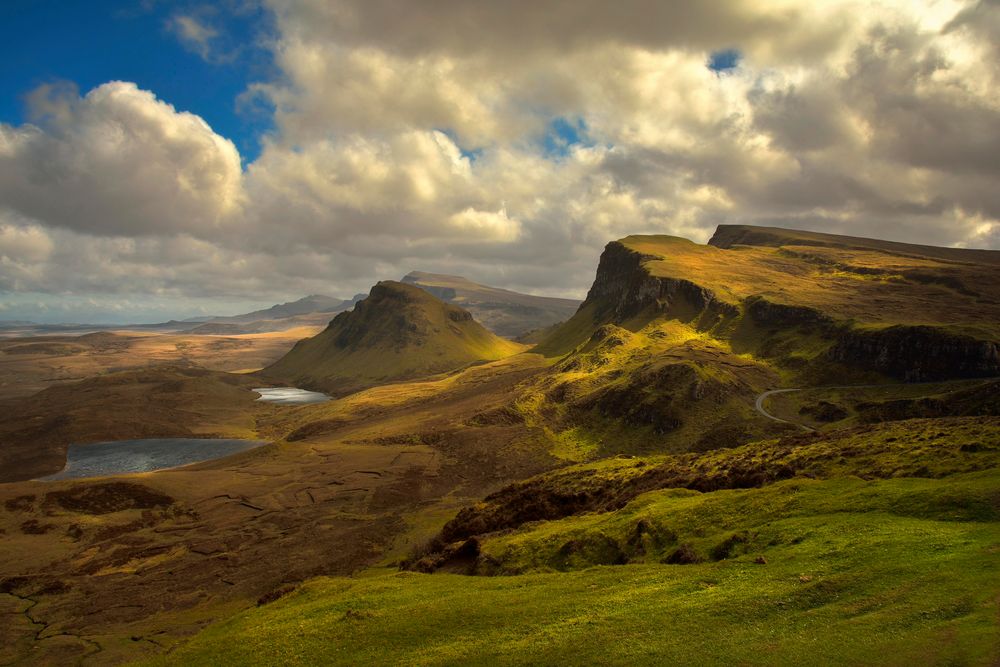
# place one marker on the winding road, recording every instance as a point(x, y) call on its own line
point(759, 403)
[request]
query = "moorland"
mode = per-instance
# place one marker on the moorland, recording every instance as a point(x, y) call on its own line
point(611, 489)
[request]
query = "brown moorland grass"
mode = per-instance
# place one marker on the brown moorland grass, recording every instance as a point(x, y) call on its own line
point(119, 584)
point(32, 363)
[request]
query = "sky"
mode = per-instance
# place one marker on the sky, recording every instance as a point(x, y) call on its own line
point(166, 159)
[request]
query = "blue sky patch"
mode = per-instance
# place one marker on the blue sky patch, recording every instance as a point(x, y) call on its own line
point(91, 43)
point(564, 133)
point(471, 154)
point(727, 59)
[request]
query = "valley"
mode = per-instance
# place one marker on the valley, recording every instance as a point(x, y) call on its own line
point(630, 473)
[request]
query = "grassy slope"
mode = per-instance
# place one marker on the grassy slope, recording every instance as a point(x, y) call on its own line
point(915, 448)
point(399, 332)
point(896, 569)
point(891, 572)
point(613, 400)
point(765, 521)
point(664, 387)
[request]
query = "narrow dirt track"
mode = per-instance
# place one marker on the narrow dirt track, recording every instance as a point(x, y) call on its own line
point(759, 403)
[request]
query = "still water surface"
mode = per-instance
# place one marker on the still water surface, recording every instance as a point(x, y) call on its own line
point(290, 396)
point(124, 456)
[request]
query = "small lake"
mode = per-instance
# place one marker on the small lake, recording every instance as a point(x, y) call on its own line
point(125, 456)
point(290, 396)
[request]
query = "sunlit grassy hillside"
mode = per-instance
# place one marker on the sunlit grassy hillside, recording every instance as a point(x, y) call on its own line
point(676, 339)
point(861, 285)
point(878, 285)
point(891, 570)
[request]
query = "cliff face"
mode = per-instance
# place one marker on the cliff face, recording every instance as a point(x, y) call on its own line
point(778, 303)
point(918, 353)
point(782, 315)
point(623, 288)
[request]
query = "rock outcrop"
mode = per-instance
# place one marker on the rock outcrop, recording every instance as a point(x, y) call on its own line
point(623, 288)
point(789, 297)
point(918, 353)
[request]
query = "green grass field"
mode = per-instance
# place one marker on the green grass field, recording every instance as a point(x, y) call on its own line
point(889, 572)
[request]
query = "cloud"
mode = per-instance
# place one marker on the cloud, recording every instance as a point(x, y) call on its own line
point(524, 30)
point(194, 33)
point(118, 161)
point(420, 135)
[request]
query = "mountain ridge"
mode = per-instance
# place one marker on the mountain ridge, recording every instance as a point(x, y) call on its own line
point(727, 236)
point(860, 300)
point(504, 312)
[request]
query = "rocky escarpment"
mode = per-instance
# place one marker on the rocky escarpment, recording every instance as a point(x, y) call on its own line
point(918, 353)
point(623, 289)
point(778, 306)
point(773, 314)
point(868, 452)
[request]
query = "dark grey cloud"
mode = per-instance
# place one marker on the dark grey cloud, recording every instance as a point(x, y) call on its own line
point(529, 28)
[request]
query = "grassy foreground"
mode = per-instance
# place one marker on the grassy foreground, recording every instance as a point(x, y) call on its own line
point(893, 572)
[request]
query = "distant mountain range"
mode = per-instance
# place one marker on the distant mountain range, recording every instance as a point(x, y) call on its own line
point(312, 310)
point(506, 313)
point(314, 303)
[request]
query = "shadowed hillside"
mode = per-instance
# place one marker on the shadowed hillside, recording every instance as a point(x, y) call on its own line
point(503, 312)
point(314, 303)
point(399, 332)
